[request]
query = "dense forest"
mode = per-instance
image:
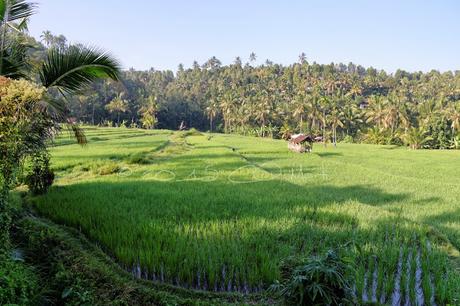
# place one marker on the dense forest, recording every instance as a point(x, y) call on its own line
point(337, 102)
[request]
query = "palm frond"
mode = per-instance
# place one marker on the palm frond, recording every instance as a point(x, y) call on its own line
point(2, 9)
point(12, 10)
point(56, 108)
point(58, 112)
point(14, 61)
point(21, 26)
point(72, 68)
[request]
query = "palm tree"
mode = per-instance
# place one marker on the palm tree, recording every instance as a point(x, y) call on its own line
point(118, 105)
point(47, 37)
point(323, 115)
point(335, 119)
point(285, 131)
point(241, 116)
point(428, 112)
point(454, 117)
point(375, 135)
point(226, 104)
point(355, 90)
point(211, 112)
point(299, 109)
point(148, 112)
point(66, 69)
point(416, 137)
point(302, 58)
point(313, 110)
point(395, 114)
point(264, 110)
point(252, 57)
point(352, 116)
point(13, 17)
point(376, 111)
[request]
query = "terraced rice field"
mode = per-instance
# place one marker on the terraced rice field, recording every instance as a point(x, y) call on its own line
point(221, 212)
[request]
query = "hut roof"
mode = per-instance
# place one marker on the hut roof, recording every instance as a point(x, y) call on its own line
point(300, 138)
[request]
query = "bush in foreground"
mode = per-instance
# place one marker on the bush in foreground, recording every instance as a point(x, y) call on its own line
point(41, 177)
point(318, 280)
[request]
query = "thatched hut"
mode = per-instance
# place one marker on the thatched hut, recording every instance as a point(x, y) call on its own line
point(300, 143)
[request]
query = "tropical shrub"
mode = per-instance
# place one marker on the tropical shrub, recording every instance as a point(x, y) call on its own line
point(440, 134)
point(381, 136)
point(456, 142)
point(415, 138)
point(23, 123)
point(22, 131)
point(192, 132)
point(286, 131)
point(318, 280)
point(41, 177)
point(347, 139)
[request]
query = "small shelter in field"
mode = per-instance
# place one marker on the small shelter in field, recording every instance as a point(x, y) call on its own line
point(300, 143)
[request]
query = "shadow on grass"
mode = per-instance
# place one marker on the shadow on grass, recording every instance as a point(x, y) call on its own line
point(201, 200)
point(449, 224)
point(391, 147)
point(328, 154)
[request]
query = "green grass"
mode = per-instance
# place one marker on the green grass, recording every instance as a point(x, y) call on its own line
point(222, 212)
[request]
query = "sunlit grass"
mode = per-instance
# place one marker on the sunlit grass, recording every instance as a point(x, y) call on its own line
point(220, 212)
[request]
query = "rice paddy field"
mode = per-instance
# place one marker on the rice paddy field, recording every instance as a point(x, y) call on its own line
point(221, 212)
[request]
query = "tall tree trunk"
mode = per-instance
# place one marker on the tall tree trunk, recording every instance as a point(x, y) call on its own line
point(335, 136)
point(263, 127)
point(92, 115)
point(324, 134)
point(2, 42)
point(324, 129)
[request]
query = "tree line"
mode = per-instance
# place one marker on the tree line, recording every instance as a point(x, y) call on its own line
point(336, 101)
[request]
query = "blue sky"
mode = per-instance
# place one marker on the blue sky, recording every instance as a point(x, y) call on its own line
point(412, 35)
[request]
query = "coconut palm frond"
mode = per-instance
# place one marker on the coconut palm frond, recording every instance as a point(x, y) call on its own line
point(21, 26)
point(12, 10)
point(71, 69)
point(56, 108)
point(14, 64)
point(2, 10)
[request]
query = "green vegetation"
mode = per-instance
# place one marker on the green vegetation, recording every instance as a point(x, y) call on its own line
point(220, 218)
point(73, 271)
point(335, 101)
point(30, 116)
point(320, 280)
point(18, 283)
point(222, 212)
